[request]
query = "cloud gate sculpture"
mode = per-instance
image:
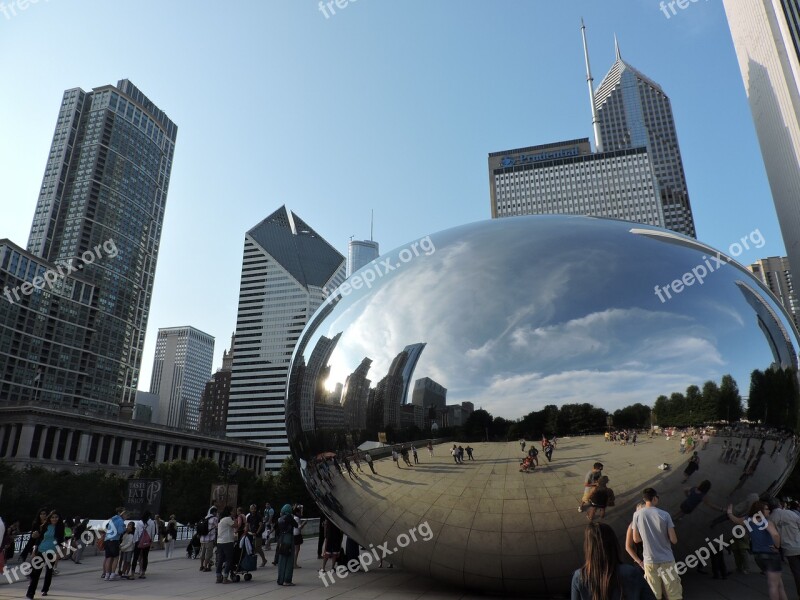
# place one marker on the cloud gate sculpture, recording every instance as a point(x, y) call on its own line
point(554, 323)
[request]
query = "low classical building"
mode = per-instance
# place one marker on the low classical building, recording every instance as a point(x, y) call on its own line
point(65, 440)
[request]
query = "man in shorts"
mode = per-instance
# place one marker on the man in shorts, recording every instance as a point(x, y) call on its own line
point(590, 484)
point(114, 531)
point(654, 529)
point(255, 525)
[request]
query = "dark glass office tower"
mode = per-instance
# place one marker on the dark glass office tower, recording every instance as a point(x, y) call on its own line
point(107, 178)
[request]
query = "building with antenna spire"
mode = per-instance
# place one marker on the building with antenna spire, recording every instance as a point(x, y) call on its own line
point(634, 174)
point(361, 252)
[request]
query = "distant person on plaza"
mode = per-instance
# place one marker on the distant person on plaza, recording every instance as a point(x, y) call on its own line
point(469, 452)
point(368, 458)
point(414, 453)
point(404, 454)
point(126, 551)
point(534, 455)
point(51, 535)
point(208, 540)
point(430, 449)
point(461, 454)
point(590, 483)
point(396, 457)
point(172, 534)
point(80, 527)
point(548, 451)
point(146, 531)
point(603, 575)
point(269, 523)
point(454, 453)
point(522, 445)
point(161, 528)
point(114, 531)
point(226, 537)
point(765, 544)
point(654, 529)
point(297, 532)
point(285, 543)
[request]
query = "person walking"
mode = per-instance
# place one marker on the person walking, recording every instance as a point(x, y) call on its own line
point(172, 534)
point(654, 529)
point(368, 458)
point(208, 539)
point(226, 537)
point(469, 452)
point(590, 483)
point(430, 448)
point(396, 457)
point(548, 451)
point(694, 464)
point(765, 543)
point(522, 445)
point(414, 452)
point(146, 531)
point(285, 543)
point(603, 574)
point(114, 531)
point(51, 535)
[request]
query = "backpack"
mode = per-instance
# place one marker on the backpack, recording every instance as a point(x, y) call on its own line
point(145, 540)
point(202, 527)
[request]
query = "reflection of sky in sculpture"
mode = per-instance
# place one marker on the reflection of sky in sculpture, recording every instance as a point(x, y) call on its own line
point(529, 311)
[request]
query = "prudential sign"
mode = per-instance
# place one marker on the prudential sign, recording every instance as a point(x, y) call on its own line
point(522, 159)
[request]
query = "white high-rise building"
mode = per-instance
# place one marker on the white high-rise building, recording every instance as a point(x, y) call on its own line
point(360, 253)
point(766, 35)
point(775, 273)
point(182, 365)
point(285, 269)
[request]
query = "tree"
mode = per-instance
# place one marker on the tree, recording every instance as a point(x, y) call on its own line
point(478, 423)
point(729, 406)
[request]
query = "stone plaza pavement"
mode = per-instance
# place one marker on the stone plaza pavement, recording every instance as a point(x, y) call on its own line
point(628, 468)
point(179, 577)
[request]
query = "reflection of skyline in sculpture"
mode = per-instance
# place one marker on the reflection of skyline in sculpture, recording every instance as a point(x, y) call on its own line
point(775, 333)
point(432, 397)
point(391, 391)
point(355, 396)
point(312, 391)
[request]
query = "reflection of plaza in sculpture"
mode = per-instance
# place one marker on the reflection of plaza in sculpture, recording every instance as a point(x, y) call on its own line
point(526, 315)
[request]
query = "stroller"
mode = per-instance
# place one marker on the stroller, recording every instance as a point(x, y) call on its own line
point(245, 560)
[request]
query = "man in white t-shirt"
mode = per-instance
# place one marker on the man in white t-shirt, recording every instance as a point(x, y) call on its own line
point(788, 524)
point(654, 529)
point(207, 541)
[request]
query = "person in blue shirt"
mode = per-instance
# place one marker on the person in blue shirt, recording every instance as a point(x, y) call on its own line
point(603, 575)
point(114, 532)
point(765, 543)
point(51, 535)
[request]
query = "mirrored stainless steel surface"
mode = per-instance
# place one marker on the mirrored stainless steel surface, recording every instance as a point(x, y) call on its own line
point(513, 315)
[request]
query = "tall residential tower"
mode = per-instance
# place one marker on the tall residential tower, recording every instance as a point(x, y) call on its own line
point(285, 269)
point(106, 182)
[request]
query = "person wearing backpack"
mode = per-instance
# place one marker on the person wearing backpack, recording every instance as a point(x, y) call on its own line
point(207, 528)
point(142, 541)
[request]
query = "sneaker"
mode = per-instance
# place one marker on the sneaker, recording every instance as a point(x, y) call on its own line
point(104, 576)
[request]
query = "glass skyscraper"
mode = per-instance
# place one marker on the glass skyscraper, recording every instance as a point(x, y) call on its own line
point(360, 253)
point(181, 368)
point(634, 112)
point(286, 269)
point(107, 178)
point(766, 35)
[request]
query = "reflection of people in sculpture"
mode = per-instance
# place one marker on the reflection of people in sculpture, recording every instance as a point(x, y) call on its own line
point(522, 445)
point(590, 483)
point(765, 542)
point(694, 464)
point(469, 452)
point(601, 497)
point(526, 466)
point(396, 457)
point(548, 451)
point(695, 497)
point(404, 454)
point(368, 458)
point(430, 449)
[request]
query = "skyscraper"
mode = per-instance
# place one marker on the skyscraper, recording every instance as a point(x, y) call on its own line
point(181, 367)
point(285, 268)
point(216, 395)
point(106, 179)
point(635, 174)
point(775, 273)
point(634, 112)
point(766, 35)
point(360, 253)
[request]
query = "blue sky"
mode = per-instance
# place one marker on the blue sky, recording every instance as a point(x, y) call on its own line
point(385, 105)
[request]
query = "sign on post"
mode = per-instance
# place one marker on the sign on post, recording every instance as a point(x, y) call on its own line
point(143, 494)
